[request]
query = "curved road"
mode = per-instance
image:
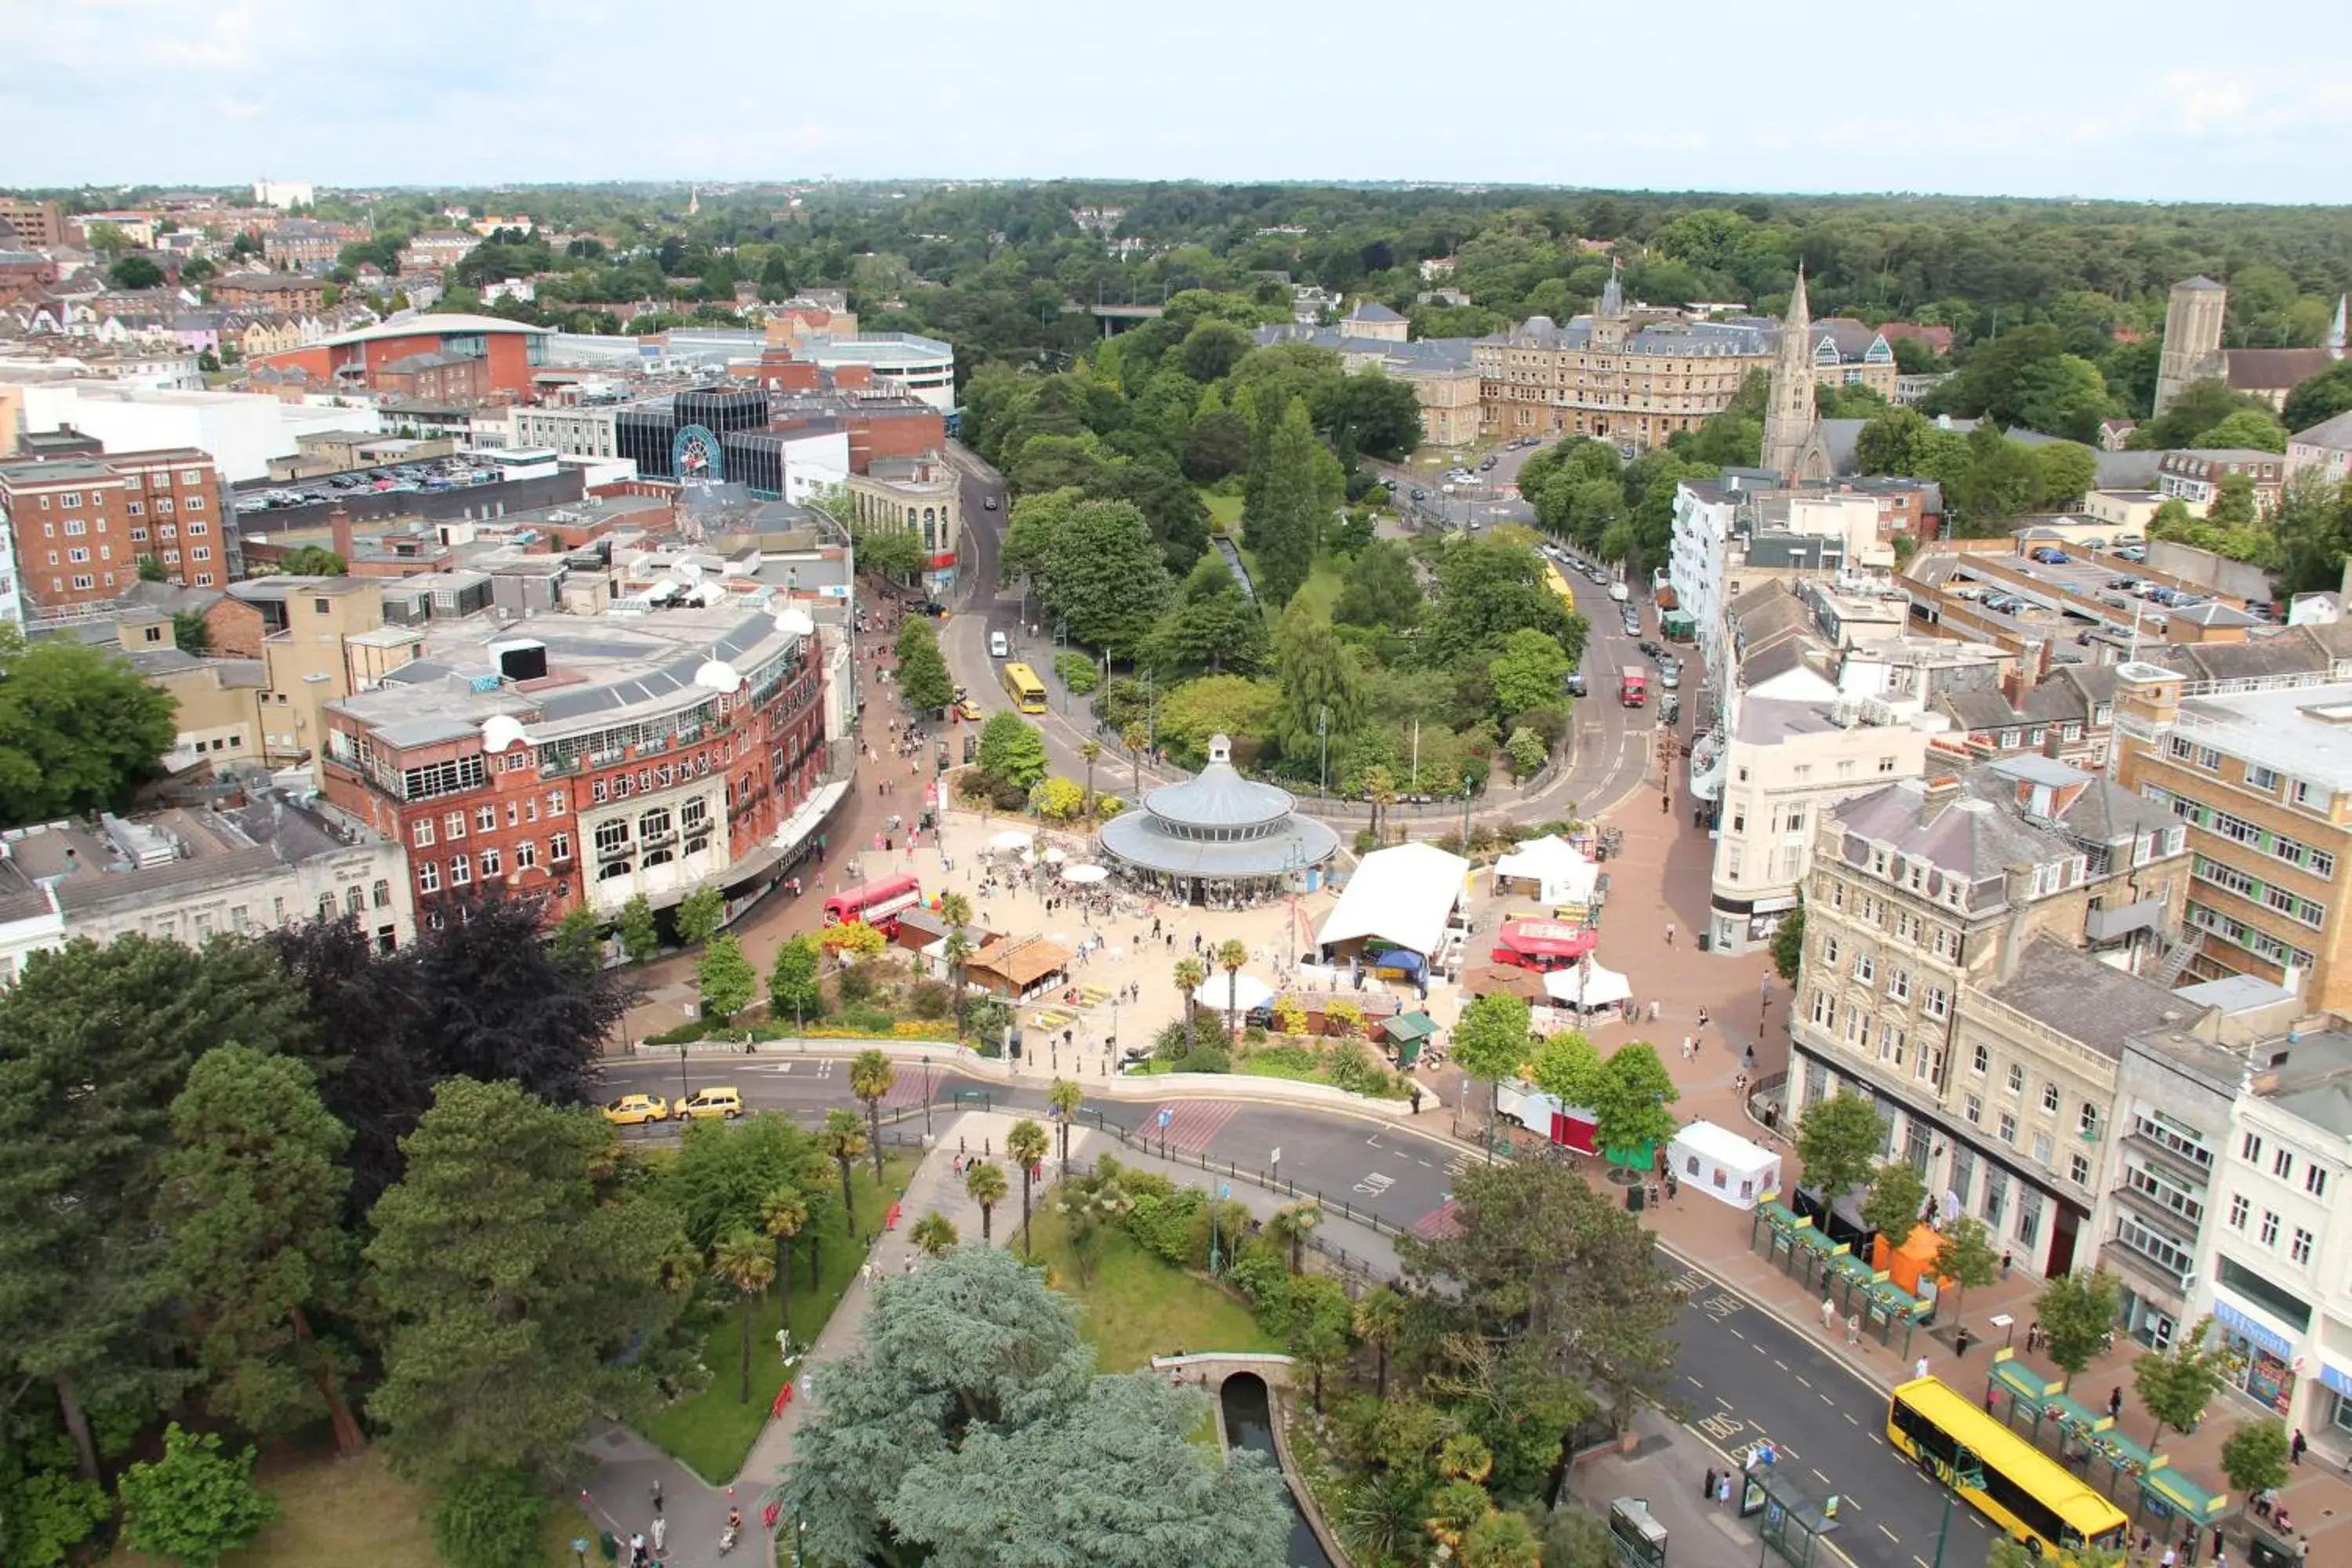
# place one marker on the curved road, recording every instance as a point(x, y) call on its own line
point(1742, 1372)
point(1612, 743)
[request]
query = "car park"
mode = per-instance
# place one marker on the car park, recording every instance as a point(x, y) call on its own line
point(636, 1109)
point(2050, 557)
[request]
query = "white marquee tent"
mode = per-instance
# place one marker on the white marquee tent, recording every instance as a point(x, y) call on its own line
point(1239, 992)
point(1402, 894)
point(1724, 1165)
point(1558, 870)
point(1587, 985)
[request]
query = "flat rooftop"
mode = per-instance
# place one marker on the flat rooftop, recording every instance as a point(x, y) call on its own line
point(2305, 731)
point(142, 857)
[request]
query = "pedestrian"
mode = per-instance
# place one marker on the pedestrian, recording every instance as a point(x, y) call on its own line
point(2115, 1404)
point(1829, 1313)
point(2171, 1556)
point(1702, 1012)
point(2219, 1545)
point(1707, 1487)
point(1654, 1010)
point(2296, 1445)
point(1854, 1329)
point(866, 1272)
point(1669, 933)
point(658, 1497)
point(637, 1548)
point(661, 1532)
point(1686, 1048)
point(1919, 1367)
point(1722, 1489)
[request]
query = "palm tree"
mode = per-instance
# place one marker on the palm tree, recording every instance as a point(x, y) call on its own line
point(1379, 1319)
point(1025, 1146)
point(844, 1141)
point(1230, 956)
point(1382, 1517)
point(783, 1214)
point(1066, 1097)
point(1136, 738)
point(1191, 976)
point(934, 1233)
point(1379, 786)
point(1088, 751)
point(1294, 1222)
point(957, 951)
point(742, 1262)
point(983, 1183)
point(871, 1074)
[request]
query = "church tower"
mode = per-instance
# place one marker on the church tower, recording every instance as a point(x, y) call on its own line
point(2192, 337)
point(1794, 447)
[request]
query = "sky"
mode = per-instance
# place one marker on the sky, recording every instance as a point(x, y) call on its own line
point(2158, 100)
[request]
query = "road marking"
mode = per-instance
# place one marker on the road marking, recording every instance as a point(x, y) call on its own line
point(1827, 1400)
point(1375, 1183)
point(1921, 1561)
point(1824, 1479)
point(1695, 1382)
point(1722, 1400)
point(1801, 1378)
point(1850, 1420)
point(1735, 1334)
point(1778, 1362)
point(1759, 1349)
point(1374, 1141)
point(1890, 1535)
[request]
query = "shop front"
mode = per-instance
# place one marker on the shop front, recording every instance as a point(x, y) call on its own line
point(2336, 1399)
point(2265, 1369)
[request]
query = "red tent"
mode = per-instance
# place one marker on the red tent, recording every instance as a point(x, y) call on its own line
point(1543, 945)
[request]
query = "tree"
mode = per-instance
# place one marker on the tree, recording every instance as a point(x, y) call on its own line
point(727, 1175)
point(793, 985)
point(99, 1043)
point(1322, 1326)
point(1379, 589)
point(2232, 505)
point(1024, 1146)
point(2064, 471)
point(699, 914)
point(1191, 976)
point(784, 1214)
point(1064, 1098)
point(725, 980)
point(1501, 1541)
point(1528, 672)
point(923, 680)
point(2248, 427)
point(1283, 521)
point(1629, 1100)
point(1322, 694)
point(740, 1261)
point(151, 570)
point(1292, 1225)
point(1490, 1042)
point(1089, 752)
point(1966, 1256)
point(843, 1142)
point(1892, 1206)
point(1527, 750)
point(490, 1518)
point(500, 1262)
point(985, 1184)
point(1565, 1066)
point(1789, 944)
point(1232, 955)
point(2320, 398)
point(191, 633)
point(135, 272)
point(2177, 1384)
point(1209, 627)
point(252, 1200)
point(1891, 442)
point(2255, 1458)
point(970, 1428)
point(1839, 1141)
point(639, 939)
point(1011, 750)
point(578, 941)
point(934, 1233)
point(313, 561)
point(2064, 395)
point(79, 729)
point(1378, 1321)
point(872, 1075)
point(2200, 405)
point(2078, 1314)
point(196, 1503)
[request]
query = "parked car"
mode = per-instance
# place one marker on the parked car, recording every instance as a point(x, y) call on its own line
point(2051, 557)
point(1576, 687)
point(1652, 649)
point(988, 503)
point(636, 1109)
point(1488, 461)
point(2135, 555)
point(716, 1103)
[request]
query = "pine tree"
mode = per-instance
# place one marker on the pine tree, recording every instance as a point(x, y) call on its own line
point(1284, 519)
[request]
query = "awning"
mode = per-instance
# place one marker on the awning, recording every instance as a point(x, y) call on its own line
point(813, 811)
point(1548, 939)
point(1588, 985)
point(1238, 990)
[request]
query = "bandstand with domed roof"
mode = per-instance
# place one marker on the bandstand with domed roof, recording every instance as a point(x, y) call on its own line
point(1218, 840)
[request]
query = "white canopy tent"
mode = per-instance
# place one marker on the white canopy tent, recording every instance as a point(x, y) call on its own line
point(1587, 985)
point(1724, 1165)
point(1402, 894)
point(1010, 840)
point(1558, 870)
point(1239, 992)
point(1084, 874)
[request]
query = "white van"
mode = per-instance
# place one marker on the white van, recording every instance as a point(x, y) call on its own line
point(1617, 592)
point(998, 647)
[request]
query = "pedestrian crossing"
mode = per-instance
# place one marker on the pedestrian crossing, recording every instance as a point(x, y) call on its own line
point(1191, 1123)
point(911, 1087)
point(1440, 1223)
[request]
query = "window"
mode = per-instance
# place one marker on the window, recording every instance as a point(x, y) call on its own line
point(1829, 951)
point(2087, 1121)
point(429, 877)
point(2270, 1228)
point(381, 895)
point(2282, 1163)
point(526, 855)
point(1898, 985)
point(2078, 1171)
point(2049, 1095)
point(2008, 1128)
point(486, 819)
point(2250, 1148)
point(1865, 967)
point(2209, 759)
point(424, 833)
point(1939, 1005)
point(1973, 1109)
point(490, 862)
point(461, 870)
point(453, 826)
point(2299, 1248)
point(555, 803)
point(2042, 1148)
point(1981, 1059)
point(2016, 1078)
point(2239, 1210)
point(2315, 1181)
point(2262, 778)
point(559, 846)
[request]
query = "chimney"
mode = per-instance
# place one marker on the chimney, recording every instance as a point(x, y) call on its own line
point(1942, 791)
point(2049, 740)
point(338, 524)
point(2018, 881)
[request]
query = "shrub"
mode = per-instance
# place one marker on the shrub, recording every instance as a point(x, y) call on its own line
point(1079, 672)
point(1006, 796)
point(1108, 806)
point(1289, 1017)
point(1254, 1036)
point(1207, 1055)
point(931, 999)
point(1343, 1018)
point(1349, 1066)
point(854, 984)
point(1366, 842)
point(866, 1019)
point(693, 1030)
point(1231, 1217)
point(1164, 1225)
point(489, 1518)
point(1056, 800)
point(1262, 1272)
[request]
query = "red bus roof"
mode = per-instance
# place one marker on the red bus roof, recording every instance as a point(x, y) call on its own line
point(1552, 939)
point(882, 887)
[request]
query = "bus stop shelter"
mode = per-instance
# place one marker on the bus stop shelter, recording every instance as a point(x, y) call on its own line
point(2165, 1494)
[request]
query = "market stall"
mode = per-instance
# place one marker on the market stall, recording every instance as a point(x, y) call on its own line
point(1724, 1165)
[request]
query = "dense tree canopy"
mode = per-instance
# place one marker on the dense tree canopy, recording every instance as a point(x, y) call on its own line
point(79, 729)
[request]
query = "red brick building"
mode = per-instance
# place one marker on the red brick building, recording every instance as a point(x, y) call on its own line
point(81, 523)
point(594, 759)
point(280, 292)
point(510, 352)
point(439, 377)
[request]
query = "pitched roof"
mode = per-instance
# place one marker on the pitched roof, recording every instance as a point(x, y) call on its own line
point(2334, 432)
point(1372, 310)
point(2265, 369)
point(2094, 1004)
point(1979, 710)
point(2201, 282)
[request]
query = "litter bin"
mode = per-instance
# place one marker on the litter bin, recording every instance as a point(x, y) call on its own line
point(1705, 941)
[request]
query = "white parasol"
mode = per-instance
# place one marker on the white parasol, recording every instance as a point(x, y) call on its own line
point(1587, 985)
point(1052, 857)
point(1238, 991)
point(1012, 838)
point(1085, 874)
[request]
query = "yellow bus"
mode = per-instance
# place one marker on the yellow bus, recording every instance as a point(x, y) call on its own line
point(2029, 1495)
point(1557, 582)
point(1020, 684)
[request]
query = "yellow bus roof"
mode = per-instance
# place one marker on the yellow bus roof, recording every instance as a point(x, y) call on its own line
point(1019, 671)
point(2072, 1499)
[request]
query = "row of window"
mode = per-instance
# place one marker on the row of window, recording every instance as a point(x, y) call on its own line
point(1916, 929)
point(2238, 830)
point(2261, 944)
point(2044, 1145)
point(491, 863)
point(2298, 1249)
point(2254, 776)
point(2315, 1175)
point(486, 819)
point(2282, 900)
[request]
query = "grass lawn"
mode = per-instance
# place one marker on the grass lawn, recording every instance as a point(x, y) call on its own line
point(712, 1431)
point(1139, 1307)
point(357, 1510)
point(1321, 589)
point(1226, 510)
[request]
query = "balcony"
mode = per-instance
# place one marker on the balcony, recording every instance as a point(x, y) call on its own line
point(2114, 923)
point(606, 853)
point(2139, 1265)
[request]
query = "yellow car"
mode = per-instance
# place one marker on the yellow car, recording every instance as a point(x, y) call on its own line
point(705, 1103)
point(969, 709)
point(635, 1110)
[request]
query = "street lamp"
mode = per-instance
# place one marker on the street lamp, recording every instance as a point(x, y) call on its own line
point(1965, 1471)
point(928, 1097)
point(683, 1090)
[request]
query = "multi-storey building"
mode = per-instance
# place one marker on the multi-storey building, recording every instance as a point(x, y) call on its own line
point(300, 243)
point(317, 639)
point(2175, 1091)
point(2262, 781)
point(81, 524)
point(593, 758)
point(38, 225)
point(919, 496)
point(2194, 476)
point(1968, 946)
point(286, 292)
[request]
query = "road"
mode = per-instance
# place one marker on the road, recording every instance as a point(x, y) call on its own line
point(1741, 1372)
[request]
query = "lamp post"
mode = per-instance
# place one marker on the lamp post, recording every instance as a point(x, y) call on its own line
point(1323, 730)
point(928, 1097)
point(684, 1092)
point(1965, 1471)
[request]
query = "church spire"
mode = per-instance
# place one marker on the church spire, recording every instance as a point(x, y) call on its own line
point(1794, 447)
point(2335, 331)
point(1613, 295)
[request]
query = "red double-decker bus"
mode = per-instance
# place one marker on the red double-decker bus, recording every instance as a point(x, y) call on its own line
point(878, 904)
